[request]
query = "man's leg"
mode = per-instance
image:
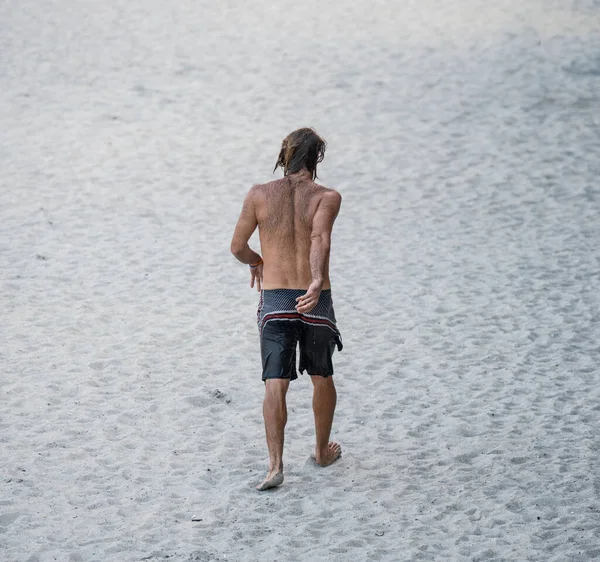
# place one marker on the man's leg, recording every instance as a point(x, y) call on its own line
point(324, 400)
point(275, 415)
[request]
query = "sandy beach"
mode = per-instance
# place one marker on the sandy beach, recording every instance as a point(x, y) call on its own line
point(464, 140)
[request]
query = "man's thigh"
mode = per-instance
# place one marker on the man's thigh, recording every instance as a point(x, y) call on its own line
point(317, 344)
point(278, 343)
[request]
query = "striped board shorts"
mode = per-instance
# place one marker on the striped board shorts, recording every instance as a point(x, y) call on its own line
point(282, 329)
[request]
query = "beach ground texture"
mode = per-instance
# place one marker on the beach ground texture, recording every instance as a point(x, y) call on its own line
point(464, 138)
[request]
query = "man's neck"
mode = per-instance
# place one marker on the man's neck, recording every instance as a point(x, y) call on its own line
point(303, 174)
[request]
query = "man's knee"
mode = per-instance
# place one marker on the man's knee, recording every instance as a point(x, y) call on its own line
point(321, 381)
point(277, 386)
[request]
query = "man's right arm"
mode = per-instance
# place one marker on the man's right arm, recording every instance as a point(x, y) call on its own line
point(320, 244)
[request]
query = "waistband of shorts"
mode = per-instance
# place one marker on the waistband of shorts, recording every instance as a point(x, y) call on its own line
point(288, 291)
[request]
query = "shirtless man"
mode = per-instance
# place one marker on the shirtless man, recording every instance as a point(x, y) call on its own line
point(295, 217)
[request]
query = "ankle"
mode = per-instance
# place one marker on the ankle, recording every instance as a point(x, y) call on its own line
point(321, 452)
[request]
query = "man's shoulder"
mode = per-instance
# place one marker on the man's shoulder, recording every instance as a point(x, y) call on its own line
point(256, 192)
point(331, 196)
point(263, 188)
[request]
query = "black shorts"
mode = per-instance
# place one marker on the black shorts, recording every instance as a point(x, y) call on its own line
point(282, 328)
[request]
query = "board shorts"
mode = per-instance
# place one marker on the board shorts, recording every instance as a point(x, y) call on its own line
point(282, 328)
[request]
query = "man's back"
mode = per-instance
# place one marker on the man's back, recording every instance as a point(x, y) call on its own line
point(285, 212)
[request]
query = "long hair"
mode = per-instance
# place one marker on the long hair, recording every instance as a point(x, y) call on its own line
point(301, 149)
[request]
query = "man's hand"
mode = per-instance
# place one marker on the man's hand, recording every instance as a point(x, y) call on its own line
point(310, 299)
point(256, 275)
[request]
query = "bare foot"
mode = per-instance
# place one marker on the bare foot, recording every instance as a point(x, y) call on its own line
point(273, 479)
point(333, 453)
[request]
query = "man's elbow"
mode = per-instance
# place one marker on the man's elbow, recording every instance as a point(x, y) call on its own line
point(322, 239)
point(237, 249)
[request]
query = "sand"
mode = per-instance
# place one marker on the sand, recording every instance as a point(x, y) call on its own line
point(464, 140)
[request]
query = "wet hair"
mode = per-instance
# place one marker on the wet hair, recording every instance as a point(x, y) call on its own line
point(301, 149)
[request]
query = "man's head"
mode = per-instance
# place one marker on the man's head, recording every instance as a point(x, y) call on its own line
point(301, 149)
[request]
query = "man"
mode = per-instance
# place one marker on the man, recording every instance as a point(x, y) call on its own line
point(295, 218)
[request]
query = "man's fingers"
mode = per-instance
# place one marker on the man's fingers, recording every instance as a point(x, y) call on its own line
point(307, 301)
point(306, 305)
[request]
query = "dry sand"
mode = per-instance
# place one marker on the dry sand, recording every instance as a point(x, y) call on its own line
point(466, 270)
